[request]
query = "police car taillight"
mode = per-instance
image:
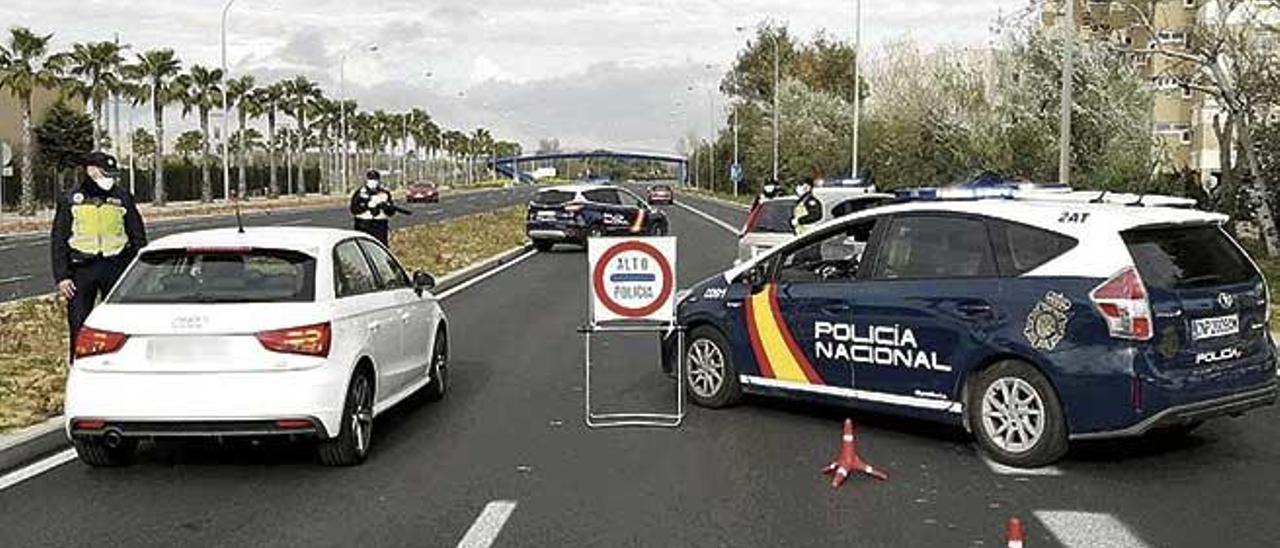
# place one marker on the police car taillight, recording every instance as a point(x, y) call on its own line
point(96, 342)
point(309, 340)
point(1122, 302)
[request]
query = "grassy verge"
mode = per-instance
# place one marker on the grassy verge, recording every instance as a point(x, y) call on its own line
point(33, 333)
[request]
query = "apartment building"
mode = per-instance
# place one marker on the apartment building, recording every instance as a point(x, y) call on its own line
point(1182, 119)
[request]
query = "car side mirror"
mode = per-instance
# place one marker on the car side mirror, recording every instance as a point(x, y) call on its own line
point(755, 277)
point(423, 281)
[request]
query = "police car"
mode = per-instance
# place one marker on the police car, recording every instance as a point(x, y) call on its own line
point(1031, 320)
point(573, 213)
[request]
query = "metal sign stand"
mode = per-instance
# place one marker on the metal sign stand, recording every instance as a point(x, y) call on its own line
point(633, 419)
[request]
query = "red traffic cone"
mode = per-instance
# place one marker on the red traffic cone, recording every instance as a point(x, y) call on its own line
point(1013, 532)
point(849, 462)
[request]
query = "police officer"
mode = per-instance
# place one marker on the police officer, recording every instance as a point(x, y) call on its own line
point(96, 233)
point(372, 207)
point(808, 210)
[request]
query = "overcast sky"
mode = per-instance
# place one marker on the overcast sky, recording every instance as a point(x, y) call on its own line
point(594, 73)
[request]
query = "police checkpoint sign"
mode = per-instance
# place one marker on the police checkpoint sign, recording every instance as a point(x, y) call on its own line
point(632, 279)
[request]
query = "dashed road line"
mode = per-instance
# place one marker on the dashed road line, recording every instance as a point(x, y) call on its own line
point(709, 217)
point(1089, 530)
point(35, 469)
point(1006, 470)
point(485, 530)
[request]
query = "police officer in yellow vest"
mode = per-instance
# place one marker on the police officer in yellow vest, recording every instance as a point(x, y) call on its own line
point(96, 233)
point(808, 210)
point(372, 207)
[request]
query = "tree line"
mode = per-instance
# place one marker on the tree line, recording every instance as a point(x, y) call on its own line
point(304, 126)
point(939, 116)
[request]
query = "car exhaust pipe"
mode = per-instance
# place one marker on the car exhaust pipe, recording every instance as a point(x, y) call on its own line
point(113, 438)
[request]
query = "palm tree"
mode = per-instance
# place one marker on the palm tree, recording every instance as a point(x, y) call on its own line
point(97, 65)
point(455, 142)
point(482, 144)
point(203, 92)
point(26, 64)
point(326, 117)
point(299, 93)
point(425, 135)
point(158, 74)
point(240, 92)
point(189, 144)
point(268, 99)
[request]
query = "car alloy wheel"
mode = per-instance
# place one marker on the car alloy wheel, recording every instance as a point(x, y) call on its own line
point(362, 414)
point(1013, 415)
point(706, 368)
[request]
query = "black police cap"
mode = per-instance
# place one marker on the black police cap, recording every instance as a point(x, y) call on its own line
point(374, 175)
point(100, 160)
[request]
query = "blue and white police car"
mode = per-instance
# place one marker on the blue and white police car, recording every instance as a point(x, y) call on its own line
point(570, 214)
point(1031, 320)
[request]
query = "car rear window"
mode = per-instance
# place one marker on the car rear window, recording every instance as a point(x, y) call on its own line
point(1021, 248)
point(553, 197)
point(775, 217)
point(219, 276)
point(661, 188)
point(1188, 257)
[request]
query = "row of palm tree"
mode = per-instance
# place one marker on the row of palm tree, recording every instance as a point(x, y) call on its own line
point(97, 72)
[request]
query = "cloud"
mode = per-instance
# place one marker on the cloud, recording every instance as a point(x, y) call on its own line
point(584, 70)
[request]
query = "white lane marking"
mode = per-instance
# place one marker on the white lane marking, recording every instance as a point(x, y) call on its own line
point(1005, 470)
point(37, 244)
point(294, 223)
point(14, 279)
point(487, 526)
point(490, 273)
point(709, 217)
point(1089, 530)
point(36, 468)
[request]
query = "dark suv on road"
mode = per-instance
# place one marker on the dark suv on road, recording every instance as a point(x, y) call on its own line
point(571, 214)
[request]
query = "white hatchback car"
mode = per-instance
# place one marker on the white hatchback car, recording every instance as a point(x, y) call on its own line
point(301, 332)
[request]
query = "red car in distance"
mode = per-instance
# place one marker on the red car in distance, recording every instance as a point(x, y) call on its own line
point(422, 193)
point(661, 194)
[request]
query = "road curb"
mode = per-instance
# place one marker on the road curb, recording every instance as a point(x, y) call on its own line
point(32, 443)
point(721, 201)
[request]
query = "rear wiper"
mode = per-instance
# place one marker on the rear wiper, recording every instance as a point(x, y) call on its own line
point(1201, 279)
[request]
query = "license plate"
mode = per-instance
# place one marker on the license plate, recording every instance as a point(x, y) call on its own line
point(546, 216)
point(1221, 326)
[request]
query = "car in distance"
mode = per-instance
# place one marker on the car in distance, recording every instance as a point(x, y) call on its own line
point(425, 193)
point(769, 222)
point(1030, 322)
point(305, 333)
point(572, 213)
point(661, 194)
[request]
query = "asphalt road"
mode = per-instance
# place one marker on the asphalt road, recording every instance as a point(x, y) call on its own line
point(24, 259)
point(511, 430)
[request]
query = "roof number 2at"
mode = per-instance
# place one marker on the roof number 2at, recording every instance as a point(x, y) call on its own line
point(1077, 217)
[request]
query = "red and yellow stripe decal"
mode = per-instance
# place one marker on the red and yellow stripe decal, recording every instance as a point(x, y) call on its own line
point(639, 224)
point(775, 349)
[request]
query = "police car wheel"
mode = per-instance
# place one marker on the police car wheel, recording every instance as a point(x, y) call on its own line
point(351, 446)
point(543, 245)
point(709, 374)
point(1016, 416)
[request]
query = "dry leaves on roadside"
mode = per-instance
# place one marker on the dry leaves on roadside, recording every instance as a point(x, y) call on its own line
point(33, 351)
point(440, 248)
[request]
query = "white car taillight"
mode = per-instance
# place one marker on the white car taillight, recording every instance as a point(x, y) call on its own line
point(308, 340)
point(1122, 302)
point(96, 342)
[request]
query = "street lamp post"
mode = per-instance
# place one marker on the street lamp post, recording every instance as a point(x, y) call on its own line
point(1064, 127)
point(857, 88)
point(226, 137)
point(342, 94)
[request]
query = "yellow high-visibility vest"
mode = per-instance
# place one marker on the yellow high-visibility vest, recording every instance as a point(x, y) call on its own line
point(98, 228)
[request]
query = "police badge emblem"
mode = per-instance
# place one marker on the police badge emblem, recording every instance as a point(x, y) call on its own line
point(1047, 321)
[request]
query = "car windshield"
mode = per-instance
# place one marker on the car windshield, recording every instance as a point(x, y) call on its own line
point(775, 217)
point(218, 276)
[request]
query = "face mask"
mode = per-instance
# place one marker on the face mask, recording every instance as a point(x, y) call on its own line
point(104, 182)
point(371, 184)
point(803, 189)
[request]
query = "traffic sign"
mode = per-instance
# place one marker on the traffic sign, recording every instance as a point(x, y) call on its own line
point(632, 279)
point(735, 172)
